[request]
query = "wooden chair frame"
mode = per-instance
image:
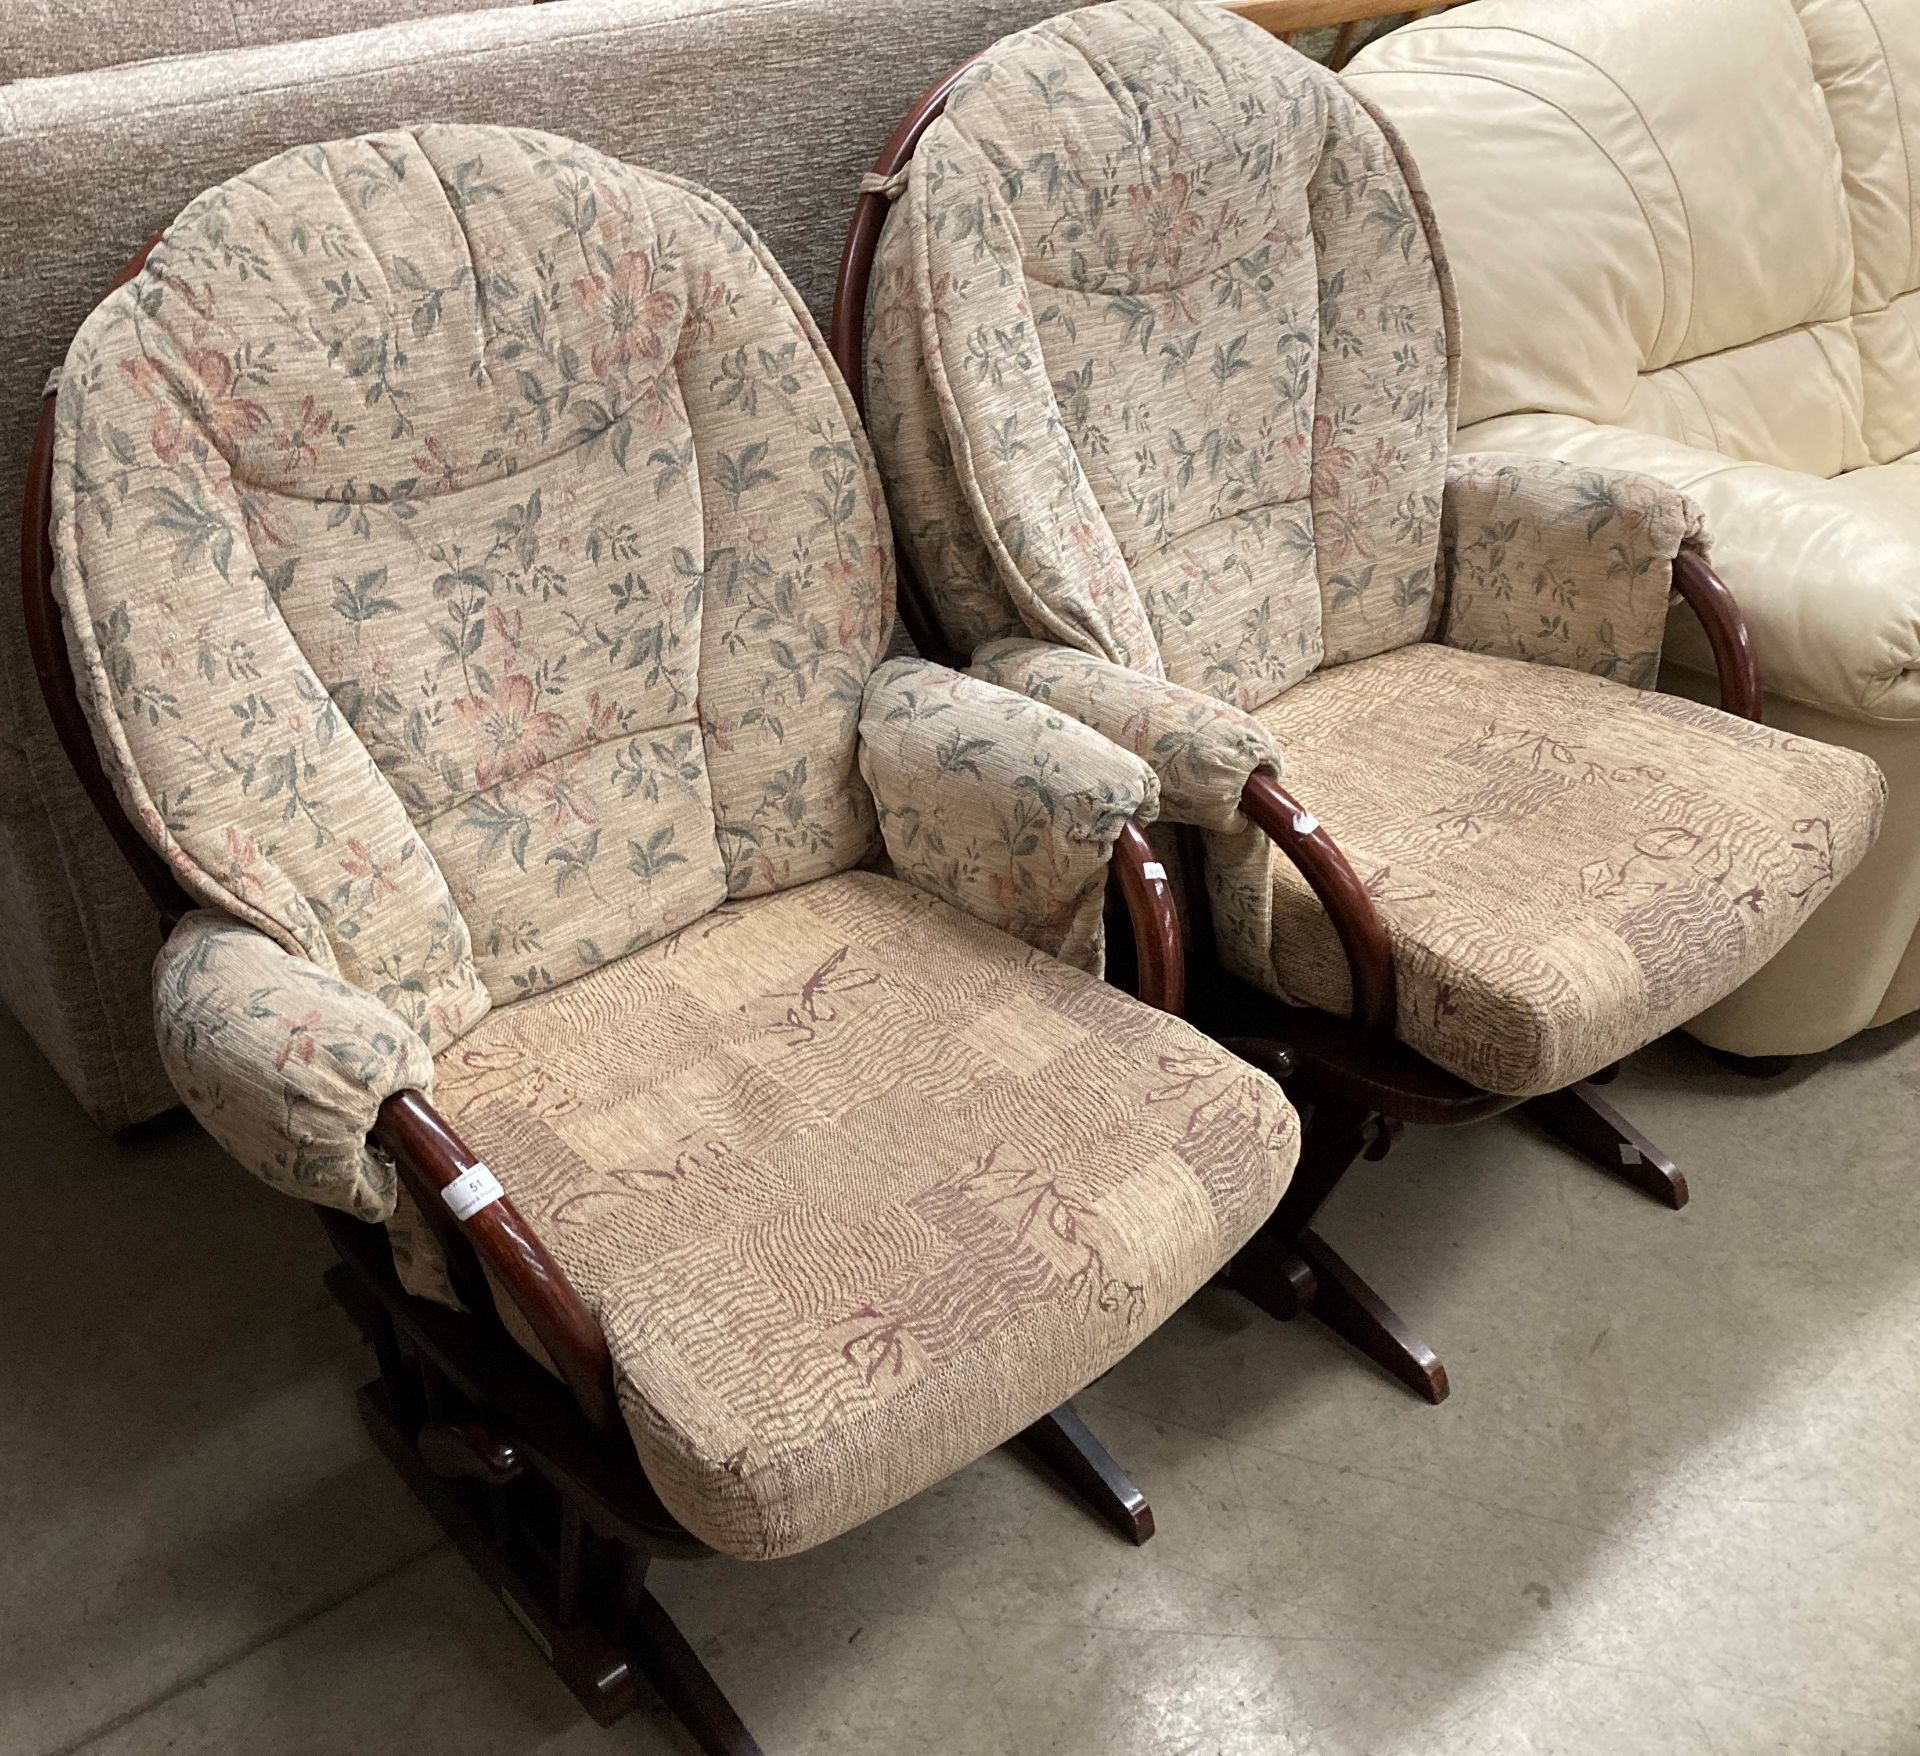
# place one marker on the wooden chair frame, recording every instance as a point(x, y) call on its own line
point(536, 1481)
point(1286, 19)
point(1356, 1084)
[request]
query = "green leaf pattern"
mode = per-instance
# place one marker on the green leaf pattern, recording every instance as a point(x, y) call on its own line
point(1562, 565)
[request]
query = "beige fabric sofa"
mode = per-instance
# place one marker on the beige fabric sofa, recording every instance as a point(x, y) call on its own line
point(1687, 242)
point(775, 103)
point(42, 38)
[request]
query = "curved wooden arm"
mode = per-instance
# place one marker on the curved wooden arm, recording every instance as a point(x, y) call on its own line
point(1155, 920)
point(1706, 593)
point(847, 329)
point(847, 326)
point(47, 647)
point(1317, 858)
point(430, 1155)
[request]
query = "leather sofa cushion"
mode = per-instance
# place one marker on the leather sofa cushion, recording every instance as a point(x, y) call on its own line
point(1698, 220)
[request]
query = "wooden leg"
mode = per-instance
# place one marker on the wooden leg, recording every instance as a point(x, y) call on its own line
point(1333, 1137)
point(589, 1662)
point(1359, 1316)
point(1581, 1118)
point(1061, 1441)
point(1272, 1273)
point(684, 1683)
point(596, 1655)
point(1288, 1270)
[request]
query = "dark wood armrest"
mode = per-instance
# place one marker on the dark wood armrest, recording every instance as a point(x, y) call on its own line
point(1706, 593)
point(430, 1155)
point(1317, 858)
point(1162, 963)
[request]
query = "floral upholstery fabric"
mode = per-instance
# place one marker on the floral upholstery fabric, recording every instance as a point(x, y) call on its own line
point(1161, 362)
point(1567, 868)
point(284, 1064)
point(1201, 749)
point(999, 805)
point(561, 562)
point(859, 1188)
point(475, 575)
point(1160, 295)
point(1560, 565)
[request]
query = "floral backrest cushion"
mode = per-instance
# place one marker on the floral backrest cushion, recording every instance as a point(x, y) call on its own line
point(1160, 315)
point(471, 563)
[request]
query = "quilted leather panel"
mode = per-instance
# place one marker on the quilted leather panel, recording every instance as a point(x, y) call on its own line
point(1746, 180)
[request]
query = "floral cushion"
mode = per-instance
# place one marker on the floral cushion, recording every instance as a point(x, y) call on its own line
point(1567, 868)
point(1003, 807)
point(859, 1188)
point(285, 1065)
point(1560, 565)
point(1201, 750)
point(472, 565)
point(1160, 316)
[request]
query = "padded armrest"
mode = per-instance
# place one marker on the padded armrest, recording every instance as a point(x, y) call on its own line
point(1560, 565)
point(285, 1065)
point(999, 805)
point(1201, 750)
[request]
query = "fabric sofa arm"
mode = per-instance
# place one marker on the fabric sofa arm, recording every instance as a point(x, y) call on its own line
point(285, 1065)
point(1560, 565)
point(999, 805)
point(1201, 750)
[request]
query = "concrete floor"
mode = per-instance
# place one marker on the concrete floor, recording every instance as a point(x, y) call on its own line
point(1672, 1507)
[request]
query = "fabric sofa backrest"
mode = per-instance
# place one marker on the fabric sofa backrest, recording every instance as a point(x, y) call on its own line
point(1701, 221)
point(1158, 315)
point(471, 564)
point(44, 38)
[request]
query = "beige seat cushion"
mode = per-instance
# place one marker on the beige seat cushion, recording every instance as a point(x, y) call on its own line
point(1568, 868)
point(859, 1189)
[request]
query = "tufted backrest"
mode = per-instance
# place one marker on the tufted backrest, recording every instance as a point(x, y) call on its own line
point(1159, 355)
point(1700, 221)
point(471, 565)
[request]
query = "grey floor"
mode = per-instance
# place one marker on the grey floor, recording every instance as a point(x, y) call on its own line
point(1672, 1507)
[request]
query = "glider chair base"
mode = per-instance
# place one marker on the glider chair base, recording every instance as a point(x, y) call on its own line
point(499, 1452)
point(1581, 1118)
point(500, 1455)
point(1355, 1096)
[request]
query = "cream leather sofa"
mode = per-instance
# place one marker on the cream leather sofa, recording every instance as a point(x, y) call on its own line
point(1687, 241)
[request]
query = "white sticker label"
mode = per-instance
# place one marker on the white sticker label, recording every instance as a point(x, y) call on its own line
point(1629, 1155)
point(1153, 869)
point(1305, 823)
point(476, 1189)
